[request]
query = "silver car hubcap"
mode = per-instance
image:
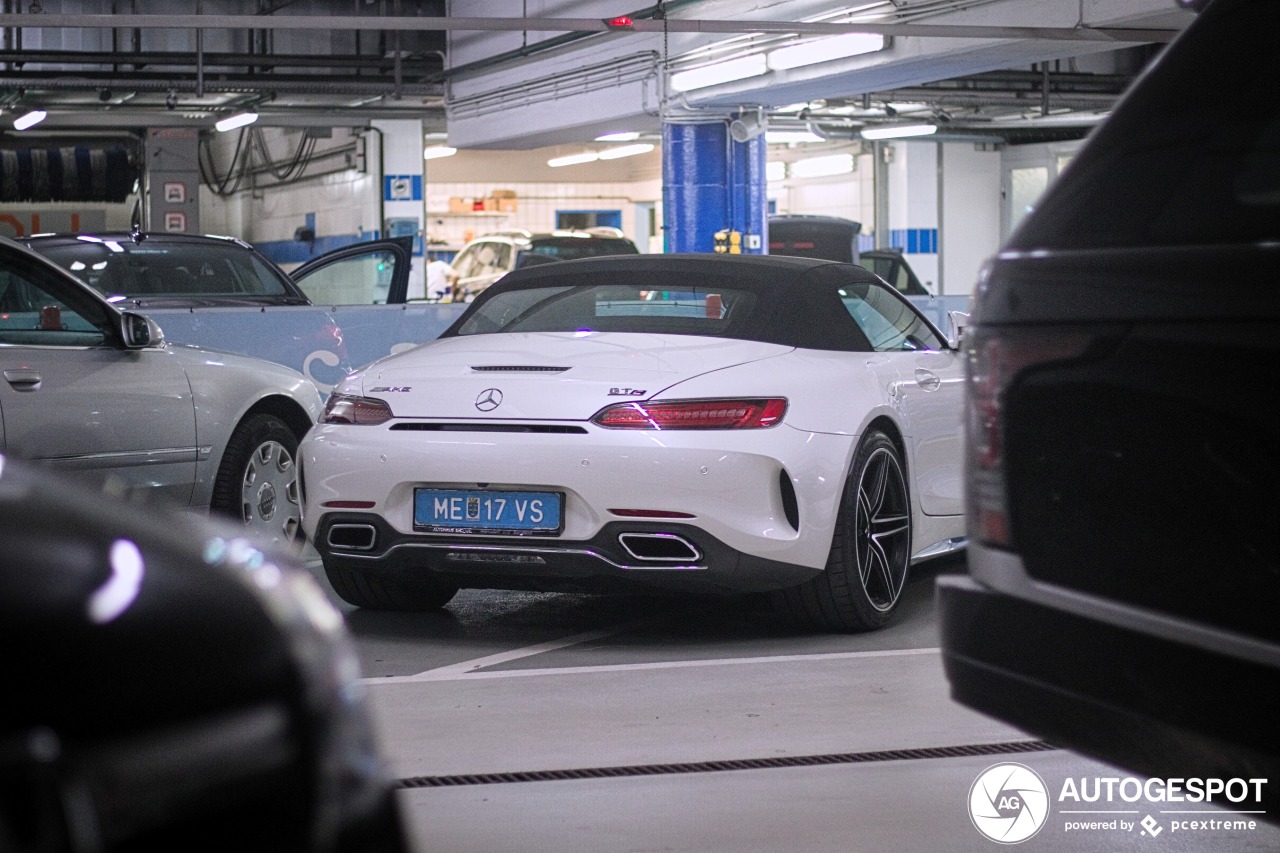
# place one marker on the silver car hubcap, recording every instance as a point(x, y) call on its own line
point(269, 493)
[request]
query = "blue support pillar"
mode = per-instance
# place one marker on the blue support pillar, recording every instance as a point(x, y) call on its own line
point(711, 183)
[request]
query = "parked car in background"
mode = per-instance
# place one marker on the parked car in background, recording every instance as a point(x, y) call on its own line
point(332, 314)
point(99, 394)
point(699, 423)
point(161, 270)
point(486, 259)
point(1122, 451)
point(805, 236)
point(891, 266)
point(171, 686)
point(836, 239)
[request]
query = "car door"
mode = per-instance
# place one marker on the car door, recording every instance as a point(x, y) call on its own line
point(74, 397)
point(372, 273)
point(928, 392)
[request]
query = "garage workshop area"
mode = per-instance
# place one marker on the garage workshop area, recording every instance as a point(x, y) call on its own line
point(709, 425)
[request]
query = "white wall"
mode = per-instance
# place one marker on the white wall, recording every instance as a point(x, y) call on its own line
point(540, 190)
point(343, 203)
point(850, 196)
point(969, 227)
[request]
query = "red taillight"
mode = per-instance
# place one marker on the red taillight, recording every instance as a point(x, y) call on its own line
point(995, 360)
point(347, 409)
point(693, 414)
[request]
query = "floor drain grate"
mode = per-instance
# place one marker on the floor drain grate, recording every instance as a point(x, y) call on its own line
point(1007, 748)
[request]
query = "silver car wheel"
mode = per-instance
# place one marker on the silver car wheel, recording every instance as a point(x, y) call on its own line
point(269, 493)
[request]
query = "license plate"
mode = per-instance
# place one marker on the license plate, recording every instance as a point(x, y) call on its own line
point(484, 511)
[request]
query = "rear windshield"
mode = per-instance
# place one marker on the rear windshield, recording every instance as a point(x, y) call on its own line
point(572, 248)
point(712, 311)
point(122, 268)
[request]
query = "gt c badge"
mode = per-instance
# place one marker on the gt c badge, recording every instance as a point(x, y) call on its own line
point(626, 392)
point(489, 399)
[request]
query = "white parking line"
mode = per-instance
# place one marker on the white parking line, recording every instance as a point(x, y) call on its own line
point(474, 669)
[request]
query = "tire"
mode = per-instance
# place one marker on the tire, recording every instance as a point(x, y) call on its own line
point(870, 551)
point(257, 482)
point(420, 594)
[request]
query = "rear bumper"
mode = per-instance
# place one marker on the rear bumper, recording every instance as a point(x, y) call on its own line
point(1143, 701)
point(600, 563)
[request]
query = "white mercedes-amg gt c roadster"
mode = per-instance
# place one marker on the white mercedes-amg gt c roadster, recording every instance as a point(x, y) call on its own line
point(705, 423)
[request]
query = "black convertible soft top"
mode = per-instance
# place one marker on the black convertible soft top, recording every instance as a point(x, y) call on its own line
point(795, 301)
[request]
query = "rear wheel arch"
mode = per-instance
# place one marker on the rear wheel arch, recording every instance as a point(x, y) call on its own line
point(890, 428)
point(295, 416)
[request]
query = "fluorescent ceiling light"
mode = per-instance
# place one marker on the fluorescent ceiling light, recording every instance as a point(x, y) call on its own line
point(779, 137)
point(237, 120)
point(30, 119)
point(822, 167)
point(573, 159)
point(625, 151)
point(775, 170)
point(622, 136)
point(825, 50)
point(898, 131)
point(433, 152)
point(721, 72)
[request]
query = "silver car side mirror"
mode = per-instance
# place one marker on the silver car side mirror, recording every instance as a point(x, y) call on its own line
point(140, 331)
point(957, 321)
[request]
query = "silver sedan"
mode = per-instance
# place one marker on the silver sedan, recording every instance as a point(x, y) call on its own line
point(99, 394)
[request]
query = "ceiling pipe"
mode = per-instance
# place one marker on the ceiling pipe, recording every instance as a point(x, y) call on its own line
point(589, 26)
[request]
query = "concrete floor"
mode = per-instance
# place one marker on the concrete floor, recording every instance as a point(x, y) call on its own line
point(517, 682)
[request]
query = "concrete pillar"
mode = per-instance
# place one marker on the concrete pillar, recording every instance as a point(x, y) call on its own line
point(403, 209)
point(710, 183)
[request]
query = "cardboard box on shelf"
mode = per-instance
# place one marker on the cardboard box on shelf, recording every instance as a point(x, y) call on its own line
point(459, 205)
point(506, 200)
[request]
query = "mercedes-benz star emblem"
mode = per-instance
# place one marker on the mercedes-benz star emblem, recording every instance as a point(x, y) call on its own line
point(489, 399)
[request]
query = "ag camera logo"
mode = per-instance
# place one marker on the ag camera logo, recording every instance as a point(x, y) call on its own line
point(1008, 803)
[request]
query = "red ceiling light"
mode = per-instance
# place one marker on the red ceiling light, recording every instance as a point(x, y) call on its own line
point(622, 22)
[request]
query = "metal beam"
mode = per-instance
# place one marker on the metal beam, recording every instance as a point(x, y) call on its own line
point(588, 25)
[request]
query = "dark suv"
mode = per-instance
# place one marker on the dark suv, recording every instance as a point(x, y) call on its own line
point(1123, 460)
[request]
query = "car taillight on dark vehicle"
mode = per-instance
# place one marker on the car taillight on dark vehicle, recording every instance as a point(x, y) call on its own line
point(996, 359)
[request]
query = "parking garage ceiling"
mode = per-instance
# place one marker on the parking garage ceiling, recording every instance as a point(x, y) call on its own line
point(123, 65)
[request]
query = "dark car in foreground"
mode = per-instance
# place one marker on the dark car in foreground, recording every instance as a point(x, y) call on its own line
point(169, 686)
point(1122, 456)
